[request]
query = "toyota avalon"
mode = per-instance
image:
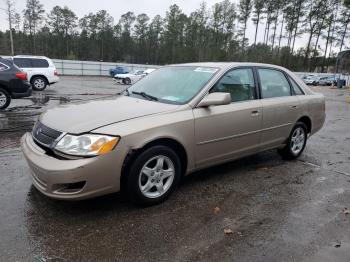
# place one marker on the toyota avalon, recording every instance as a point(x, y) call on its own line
point(179, 119)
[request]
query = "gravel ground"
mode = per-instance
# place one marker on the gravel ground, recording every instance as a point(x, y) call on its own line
point(276, 210)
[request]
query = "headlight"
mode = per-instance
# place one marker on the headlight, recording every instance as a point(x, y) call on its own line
point(86, 145)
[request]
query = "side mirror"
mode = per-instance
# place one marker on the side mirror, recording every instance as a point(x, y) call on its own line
point(215, 99)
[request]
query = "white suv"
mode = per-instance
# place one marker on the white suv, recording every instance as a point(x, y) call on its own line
point(40, 70)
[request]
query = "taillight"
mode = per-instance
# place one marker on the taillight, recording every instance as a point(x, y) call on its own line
point(22, 76)
point(55, 73)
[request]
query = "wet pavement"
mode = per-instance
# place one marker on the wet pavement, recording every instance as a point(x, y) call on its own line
point(277, 210)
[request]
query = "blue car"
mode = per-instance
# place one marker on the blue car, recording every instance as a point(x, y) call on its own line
point(118, 70)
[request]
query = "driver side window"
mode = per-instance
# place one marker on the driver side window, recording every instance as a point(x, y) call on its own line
point(239, 83)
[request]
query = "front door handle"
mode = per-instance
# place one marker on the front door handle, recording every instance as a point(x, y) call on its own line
point(294, 106)
point(255, 113)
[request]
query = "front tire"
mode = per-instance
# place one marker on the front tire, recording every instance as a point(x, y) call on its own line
point(127, 81)
point(295, 143)
point(153, 176)
point(39, 83)
point(5, 99)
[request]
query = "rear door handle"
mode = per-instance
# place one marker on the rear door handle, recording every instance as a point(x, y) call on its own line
point(294, 106)
point(255, 113)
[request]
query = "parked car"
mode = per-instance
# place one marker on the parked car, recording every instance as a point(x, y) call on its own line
point(13, 83)
point(118, 70)
point(177, 120)
point(327, 81)
point(41, 70)
point(311, 80)
point(133, 77)
point(129, 78)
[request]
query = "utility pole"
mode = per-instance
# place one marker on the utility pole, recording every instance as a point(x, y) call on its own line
point(9, 12)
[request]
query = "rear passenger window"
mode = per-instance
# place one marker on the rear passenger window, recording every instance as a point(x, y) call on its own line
point(3, 67)
point(22, 62)
point(239, 83)
point(39, 63)
point(273, 83)
point(296, 88)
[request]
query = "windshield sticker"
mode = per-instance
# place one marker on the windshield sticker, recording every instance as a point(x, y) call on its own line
point(205, 70)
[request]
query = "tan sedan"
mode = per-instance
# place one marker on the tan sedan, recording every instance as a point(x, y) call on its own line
point(177, 120)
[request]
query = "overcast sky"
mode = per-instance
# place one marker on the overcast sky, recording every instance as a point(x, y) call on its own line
point(118, 7)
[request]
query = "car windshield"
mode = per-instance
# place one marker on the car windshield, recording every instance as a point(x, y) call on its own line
point(174, 85)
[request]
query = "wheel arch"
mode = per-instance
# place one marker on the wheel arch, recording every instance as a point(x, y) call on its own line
point(6, 88)
point(165, 141)
point(307, 121)
point(39, 75)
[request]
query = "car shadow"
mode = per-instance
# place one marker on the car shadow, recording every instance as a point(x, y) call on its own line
point(118, 202)
point(235, 185)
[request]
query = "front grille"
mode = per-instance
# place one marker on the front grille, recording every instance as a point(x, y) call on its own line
point(44, 135)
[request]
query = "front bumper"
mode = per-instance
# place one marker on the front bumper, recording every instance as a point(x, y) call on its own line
point(96, 176)
point(119, 80)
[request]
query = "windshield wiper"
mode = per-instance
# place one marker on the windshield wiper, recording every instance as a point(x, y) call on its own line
point(145, 95)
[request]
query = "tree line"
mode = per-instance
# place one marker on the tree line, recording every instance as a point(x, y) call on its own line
point(210, 33)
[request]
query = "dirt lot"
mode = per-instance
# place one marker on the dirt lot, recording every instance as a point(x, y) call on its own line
point(277, 210)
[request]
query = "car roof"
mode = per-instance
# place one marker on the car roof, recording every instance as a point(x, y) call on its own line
point(227, 65)
point(6, 57)
point(31, 56)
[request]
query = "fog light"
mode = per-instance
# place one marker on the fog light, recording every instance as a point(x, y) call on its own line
point(69, 188)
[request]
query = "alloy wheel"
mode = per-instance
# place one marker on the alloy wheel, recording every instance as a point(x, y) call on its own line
point(156, 176)
point(3, 99)
point(298, 140)
point(39, 83)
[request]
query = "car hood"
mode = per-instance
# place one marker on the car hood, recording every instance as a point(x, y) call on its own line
point(86, 116)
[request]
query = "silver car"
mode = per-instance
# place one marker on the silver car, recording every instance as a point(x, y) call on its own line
point(179, 119)
point(311, 80)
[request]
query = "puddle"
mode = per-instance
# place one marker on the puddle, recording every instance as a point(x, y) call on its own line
point(23, 113)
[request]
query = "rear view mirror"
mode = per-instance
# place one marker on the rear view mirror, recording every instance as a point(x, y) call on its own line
point(215, 99)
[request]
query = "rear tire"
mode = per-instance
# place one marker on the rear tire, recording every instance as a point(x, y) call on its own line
point(153, 176)
point(39, 83)
point(5, 99)
point(295, 143)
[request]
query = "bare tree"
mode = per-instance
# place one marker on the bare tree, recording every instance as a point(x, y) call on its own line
point(344, 21)
point(11, 16)
point(314, 16)
point(245, 9)
point(321, 25)
point(258, 11)
point(270, 16)
point(281, 33)
point(33, 14)
point(278, 7)
point(299, 14)
point(327, 36)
